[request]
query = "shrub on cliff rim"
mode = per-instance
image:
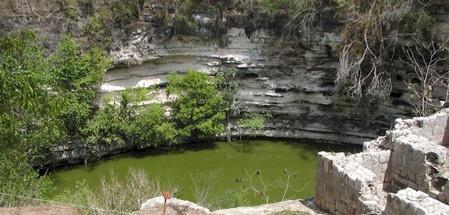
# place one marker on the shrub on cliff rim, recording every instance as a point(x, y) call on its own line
point(199, 108)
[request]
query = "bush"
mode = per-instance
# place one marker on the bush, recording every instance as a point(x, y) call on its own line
point(151, 127)
point(115, 195)
point(199, 108)
point(42, 102)
point(19, 179)
point(104, 127)
point(127, 121)
point(97, 30)
point(77, 74)
point(182, 25)
point(274, 5)
point(417, 22)
point(124, 12)
point(80, 195)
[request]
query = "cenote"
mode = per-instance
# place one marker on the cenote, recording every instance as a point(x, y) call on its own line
point(225, 168)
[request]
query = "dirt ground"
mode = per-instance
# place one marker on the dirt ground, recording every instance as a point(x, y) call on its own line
point(40, 210)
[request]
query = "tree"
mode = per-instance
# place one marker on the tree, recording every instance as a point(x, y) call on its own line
point(425, 61)
point(252, 123)
point(27, 100)
point(129, 120)
point(151, 127)
point(19, 179)
point(77, 74)
point(199, 108)
point(42, 102)
point(227, 83)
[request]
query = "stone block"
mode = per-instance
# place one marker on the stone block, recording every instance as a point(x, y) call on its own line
point(409, 201)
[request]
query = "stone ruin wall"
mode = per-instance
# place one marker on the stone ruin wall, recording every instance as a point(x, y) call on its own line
point(404, 172)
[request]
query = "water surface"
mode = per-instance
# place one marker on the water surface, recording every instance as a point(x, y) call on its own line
point(231, 170)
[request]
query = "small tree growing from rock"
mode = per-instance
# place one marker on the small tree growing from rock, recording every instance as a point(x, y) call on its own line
point(252, 123)
point(425, 61)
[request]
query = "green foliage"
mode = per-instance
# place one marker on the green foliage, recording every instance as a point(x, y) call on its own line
point(77, 74)
point(27, 106)
point(74, 115)
point(43, 101)
point(114, 194)
point(187, 7)
point(77, 71)
point(294, 7)
point(104, 127)
point(80, 195)
point(151, 127)
point(128, 121)
point(125, 11)
point(199, 109)
point(183, 26)
point(273, 5)
point(19, 178)
point(417, 22)
point(253, 122)
point(97, 29)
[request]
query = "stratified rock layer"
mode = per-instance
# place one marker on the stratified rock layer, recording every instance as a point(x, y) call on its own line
point(384, 178)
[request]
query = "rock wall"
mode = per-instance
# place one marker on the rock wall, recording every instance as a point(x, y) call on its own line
point(384, 177)
point(351, 184)
point(291, 80)
point(409, 201)
point(294, 84)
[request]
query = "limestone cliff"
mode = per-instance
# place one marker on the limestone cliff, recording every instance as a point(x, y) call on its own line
point(292, 80)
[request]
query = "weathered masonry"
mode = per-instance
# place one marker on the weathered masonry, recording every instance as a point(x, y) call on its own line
point(404, 172)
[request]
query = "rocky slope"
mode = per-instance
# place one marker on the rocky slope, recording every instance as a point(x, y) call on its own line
point(292, 80)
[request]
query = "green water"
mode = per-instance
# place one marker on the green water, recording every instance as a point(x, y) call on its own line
point(224, 167)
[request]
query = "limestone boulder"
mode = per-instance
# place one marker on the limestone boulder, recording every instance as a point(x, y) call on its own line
point(174, 207)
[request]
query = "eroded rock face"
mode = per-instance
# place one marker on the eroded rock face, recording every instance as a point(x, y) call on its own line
point(410, 157)
point(294, 80)
point(294, 83)
point(351, 184)
point(409, 201)
point(291, 80)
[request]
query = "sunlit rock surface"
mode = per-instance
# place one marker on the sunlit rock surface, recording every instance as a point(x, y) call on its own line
point(180, 207)
point(294, 85)
point(404, 172)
